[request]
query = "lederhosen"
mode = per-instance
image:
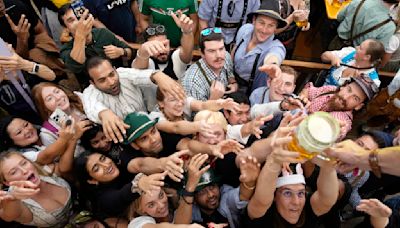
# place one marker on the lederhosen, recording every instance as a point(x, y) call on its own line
point(241, 82)
point(169, 70)
point(221, 24)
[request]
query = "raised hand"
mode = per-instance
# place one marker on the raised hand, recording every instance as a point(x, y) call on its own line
point(195, 170)
point(229, 104)
point(374, 208)
point(169, 86)
point(113, 52)
point(153, 48)
point(21, 30)
point(114, 127)
point(80, 127)
point(226, 146)
point(67, 132)
point(173, 164)
point(5, 196)
point(273, 70)
point(153, 182)
point(350, 153)
point(249, 170)
point(232, 87)
point(217, 90)
point(85, 24)
point(23, 189)
point(204, 128)
point(182, 21)
point(257, 123)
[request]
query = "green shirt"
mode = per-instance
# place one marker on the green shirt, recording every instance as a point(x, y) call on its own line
point(161, 10)
point(372, 12)
point(100, 37)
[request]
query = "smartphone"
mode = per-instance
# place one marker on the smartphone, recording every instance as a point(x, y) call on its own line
point(59, 116)
point(4, 49)
point(78, 8)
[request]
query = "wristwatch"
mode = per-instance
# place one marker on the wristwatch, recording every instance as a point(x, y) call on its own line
point(35, 69)
point(186, 193)
point(152, 76)
point(374, 163)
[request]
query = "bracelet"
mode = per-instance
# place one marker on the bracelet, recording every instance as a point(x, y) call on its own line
point(186, 193)
point(184, 200)
point(246, 186)
point(35, 69)
point(135, 184)
point(280, 106)
point(374, 163)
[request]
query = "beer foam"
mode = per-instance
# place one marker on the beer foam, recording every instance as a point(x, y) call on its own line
point(320, 129)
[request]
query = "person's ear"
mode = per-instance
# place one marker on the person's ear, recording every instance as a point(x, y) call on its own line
point(93, 181)
point(91, 82)
point(358, 107)
point(226, 114)
point(135, 146)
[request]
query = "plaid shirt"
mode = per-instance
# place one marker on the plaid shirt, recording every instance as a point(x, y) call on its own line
point(318, 100)
point(195, 83)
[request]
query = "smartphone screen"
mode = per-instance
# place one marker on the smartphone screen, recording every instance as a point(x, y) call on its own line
point(4, 50)
point(78, 8)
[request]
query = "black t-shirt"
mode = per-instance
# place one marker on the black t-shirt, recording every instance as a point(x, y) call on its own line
point(215, 217)
point(272, 219)
point(170, 141)
point(15, 104)
point(15, 14)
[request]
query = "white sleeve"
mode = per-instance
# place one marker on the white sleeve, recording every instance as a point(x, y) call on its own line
point(343, 52)
point(47, 137)
point(92, 103)
point(136, 76)
point(31, 155)
point(394, 84)
point(153, 115)
point(179, 66)
point(265, 109)
point(139, 222)
point(393, 45)
point(187, 106)
point(233, 132)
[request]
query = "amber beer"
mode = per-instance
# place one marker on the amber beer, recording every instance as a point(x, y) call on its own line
point(314, 134)
point(301, 18)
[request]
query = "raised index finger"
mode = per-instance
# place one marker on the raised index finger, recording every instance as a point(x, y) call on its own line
point(10, 22)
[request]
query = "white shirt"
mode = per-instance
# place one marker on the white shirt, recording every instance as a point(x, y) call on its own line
point(130, 98)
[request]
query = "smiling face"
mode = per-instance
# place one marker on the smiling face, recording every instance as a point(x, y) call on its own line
point(264, 28)
point(15, 167)
point(54, 97)
point(349, 97)
point(171, 106)
point(101, 168)
point(22, 132)
point(290, 200)
point(239, 117)
point(361, 51)
point(155, 204)
point(208, 198)
point(279, 86)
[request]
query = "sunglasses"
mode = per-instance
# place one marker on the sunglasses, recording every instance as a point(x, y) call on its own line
point(151, 31)
point(208, 31)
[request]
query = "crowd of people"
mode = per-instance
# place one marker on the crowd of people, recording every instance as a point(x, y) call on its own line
point(108, 119)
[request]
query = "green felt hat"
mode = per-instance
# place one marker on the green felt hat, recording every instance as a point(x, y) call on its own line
point(138, 123)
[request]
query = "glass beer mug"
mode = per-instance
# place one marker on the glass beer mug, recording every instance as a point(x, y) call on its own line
point(314, 134)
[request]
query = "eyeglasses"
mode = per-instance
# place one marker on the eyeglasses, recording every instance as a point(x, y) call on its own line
point(208, 31)
point(82, 217)
point(289, 194)
point(151, 31)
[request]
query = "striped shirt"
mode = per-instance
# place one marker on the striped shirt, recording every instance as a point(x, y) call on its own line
point(130, 98)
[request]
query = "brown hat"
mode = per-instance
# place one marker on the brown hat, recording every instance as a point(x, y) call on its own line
point(269, 8)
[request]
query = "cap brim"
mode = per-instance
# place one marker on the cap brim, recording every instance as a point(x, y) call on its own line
point(139, 132)
point(281, 23)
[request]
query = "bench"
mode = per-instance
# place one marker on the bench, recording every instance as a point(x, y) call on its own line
point(302, 66)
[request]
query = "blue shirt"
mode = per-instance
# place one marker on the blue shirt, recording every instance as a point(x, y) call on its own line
point(208, 11)
point(116, 15)
point(244, 61)
point(259, 96)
